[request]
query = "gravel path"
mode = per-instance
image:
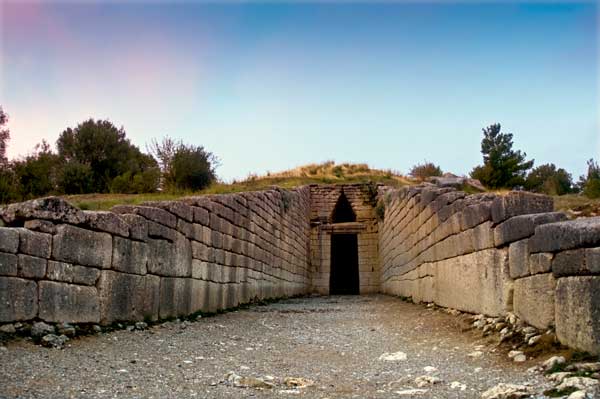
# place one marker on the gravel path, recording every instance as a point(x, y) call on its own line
point(334, 341)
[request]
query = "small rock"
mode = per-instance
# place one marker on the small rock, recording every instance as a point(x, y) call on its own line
point(553, 362)
point(247, 382)
point(579, 383)
point(54, 341)
point(458, 385)
point(393, 357)
point(425, 380)
point(589, 366)
point(534, 340)
point(520, 358)
point(580, 395)
point(430, 369)
point(297, 382)
point(411, 392)
point(512, 354)
point(506, 391)
point(8, 329)
point(140, 325)
point(558, 377)
point(475, 354)
point(40, 329)
point(529, 330)
point(129, 328)
point(66, 329)
point(96, 328)
point(500, 326)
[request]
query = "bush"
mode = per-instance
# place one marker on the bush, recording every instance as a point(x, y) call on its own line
point(591, 183)
point(75, 178)
point(192, 168)
point(549, 180)
point(424, 170)
point(36, 173)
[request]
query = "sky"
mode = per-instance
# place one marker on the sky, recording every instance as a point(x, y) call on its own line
point(268, 86)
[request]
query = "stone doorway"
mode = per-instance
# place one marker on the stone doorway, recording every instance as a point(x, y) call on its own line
point(344, 277)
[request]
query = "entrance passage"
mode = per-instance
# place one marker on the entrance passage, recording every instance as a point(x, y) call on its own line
point(344, 265)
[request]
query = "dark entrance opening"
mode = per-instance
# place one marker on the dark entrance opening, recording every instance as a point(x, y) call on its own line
point(344, 265)
point(342, 212)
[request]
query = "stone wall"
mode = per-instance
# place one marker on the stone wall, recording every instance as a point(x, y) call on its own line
point(160, 260)
point(323, 201)
point(494, 255)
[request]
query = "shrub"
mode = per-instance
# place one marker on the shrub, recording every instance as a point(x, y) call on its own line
point(75, 178)
point(548, 179)
point(192, 168)
point(424, 170)
point(590, 184)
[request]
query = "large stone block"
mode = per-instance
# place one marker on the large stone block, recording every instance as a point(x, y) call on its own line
point(138, 226)
point(8, 264)
point(155, 214)
point(128, 297)
point(35, 243)
point(478, 282)
point(32, 267)
point(109, 222)
point(577, 261)
point(68, 273)
point(518, 258)
point(175, 297)
point(523, 226)
point(577, 304)
point(130, 256)
point(540, 263)
point(570, 234)
point(520, 203)
point(69, 303)
point(9, 239)
point(48, 208)
point(178, 208)
point(74, 245)
point(170, 259)
point(534, 299)
point(18, 299)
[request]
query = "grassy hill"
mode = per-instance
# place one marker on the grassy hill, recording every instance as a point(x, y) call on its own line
point(323, 173)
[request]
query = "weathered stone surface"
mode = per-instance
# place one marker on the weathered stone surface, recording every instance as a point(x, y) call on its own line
point(35, 243)
point(523, 226)
point(9, 239)
point(75, 245)
point(201, 216)
point(138, 226)
point(578, 312)
point(175, 297)
point(520, 203)
point(128, 297)
point(518, 258)
point(43, 226)
point(18, 299)
point(49, 208)
point(570, 234)
point(476, 283)
point(533, 299)
point(540, 263)
point(568, 263)
point(155, 214)
point(157, 230)
point(130, 256)
point(8, 264)
point(170, 259)
point(68, 273)
point(109, 222)
point(32, 267)
point(177, 208)
point(61, 302)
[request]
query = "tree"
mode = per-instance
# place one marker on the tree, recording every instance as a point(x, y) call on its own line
point(502, 166)
point(590, 184)
point(191, 168)
point(105, 150)
point(425, 170)
point(548, 179)
point(37, 173)
point(4, 137)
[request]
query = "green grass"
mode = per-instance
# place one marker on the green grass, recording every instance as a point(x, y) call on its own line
point(326, 173)
point(577, 205)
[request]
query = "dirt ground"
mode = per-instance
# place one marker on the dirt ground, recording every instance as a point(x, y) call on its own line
point(336, 342)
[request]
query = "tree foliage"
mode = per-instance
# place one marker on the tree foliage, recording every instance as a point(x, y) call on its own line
point(424, 170)
point(590, 183)
point(4, 137)
point(502, 166)
point(192, 168)
point(549, 180)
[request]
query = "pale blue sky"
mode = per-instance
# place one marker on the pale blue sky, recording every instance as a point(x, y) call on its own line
point(270, 86)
